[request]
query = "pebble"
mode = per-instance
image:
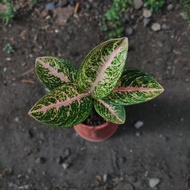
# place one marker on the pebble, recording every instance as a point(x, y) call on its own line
point(42, 136)
point(170, 7)
point(72, 2)
point(63, 3)
point(147, 13)
point(65, 165)
point(138, 124)
point(59, 159)
point(24, 187)
point(44, 13)
point(156, 27)
point(98, 177)
point(63, 14)
point(146, 22)
point(138, 4)
point(165, 27)
point(56, 31)
point(16, 119)
point(105, 177)
point(67, 152)
point(86, 6)
point(137, 134)
point(127, 18)
point(40, 160)
point(8, 59)
point(122, 160)
point(50, 6)
point(153, 182)
point(129, 31)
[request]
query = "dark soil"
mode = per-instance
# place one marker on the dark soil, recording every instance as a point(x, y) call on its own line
point(94, 119)
point(37, 157)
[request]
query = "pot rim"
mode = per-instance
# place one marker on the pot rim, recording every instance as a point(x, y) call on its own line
point(96, 126)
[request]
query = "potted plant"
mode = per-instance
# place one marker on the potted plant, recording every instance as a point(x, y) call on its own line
point(101, 87)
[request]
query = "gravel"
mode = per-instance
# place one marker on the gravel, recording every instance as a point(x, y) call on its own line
point(138, 4)
point(153, 182)
point(147, 13)
point(156, 27)
point(138, 124)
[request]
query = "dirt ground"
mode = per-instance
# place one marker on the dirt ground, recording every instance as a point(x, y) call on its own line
point(37, 157)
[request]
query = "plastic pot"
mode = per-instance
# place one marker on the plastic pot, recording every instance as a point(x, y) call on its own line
point(96, 133)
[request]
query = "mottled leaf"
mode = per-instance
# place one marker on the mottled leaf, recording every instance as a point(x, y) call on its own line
point(110, 111)
point(54, 72)
point(62, 107)
point(134, 87)
point(102, 68)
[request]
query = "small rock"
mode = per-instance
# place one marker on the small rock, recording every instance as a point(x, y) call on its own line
point(128, 18)
point(44, 13)
point(156, 27)
point(40, 160)
point(59, 159)
point(98, 178)
point(56, 31)
point(67, 152)
point(16, 119)
point(138, 4)
point(8, 59)
point(170, 7)
point(146, 22)
point(24, 187)
point(63, 14)
point(122, 160)
point(86, 6)
point(137, 134)
point(129, 31)
point(165, 27)
point(153, 182)
point(42, 136)
point(138, 124)
point(65, 165)
point(105, 177)
point(50, 6)
point(147, 13)
point(63, 3)
point(72, 2)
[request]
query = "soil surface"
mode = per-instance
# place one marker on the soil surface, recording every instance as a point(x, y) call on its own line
point(38, 157)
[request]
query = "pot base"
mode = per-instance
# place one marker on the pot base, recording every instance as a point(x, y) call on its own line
point(96, 133)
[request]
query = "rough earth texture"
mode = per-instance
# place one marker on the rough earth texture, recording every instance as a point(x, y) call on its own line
point(37, 157)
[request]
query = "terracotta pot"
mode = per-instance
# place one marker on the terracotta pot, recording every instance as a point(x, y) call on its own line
point(96, 133)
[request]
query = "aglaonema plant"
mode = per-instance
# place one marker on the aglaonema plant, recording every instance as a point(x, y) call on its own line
point(101, 83)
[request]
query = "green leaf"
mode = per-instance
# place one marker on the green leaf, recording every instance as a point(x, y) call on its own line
point(110, 111)
point(54, 72)
point(62, 107)
point(134, 87)
point(102, 68)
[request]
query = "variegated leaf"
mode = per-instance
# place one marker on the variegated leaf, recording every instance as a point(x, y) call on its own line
point(62, 107)
point(54, 72)
point(134, 87)
point(110, 111)
point(102, 68)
